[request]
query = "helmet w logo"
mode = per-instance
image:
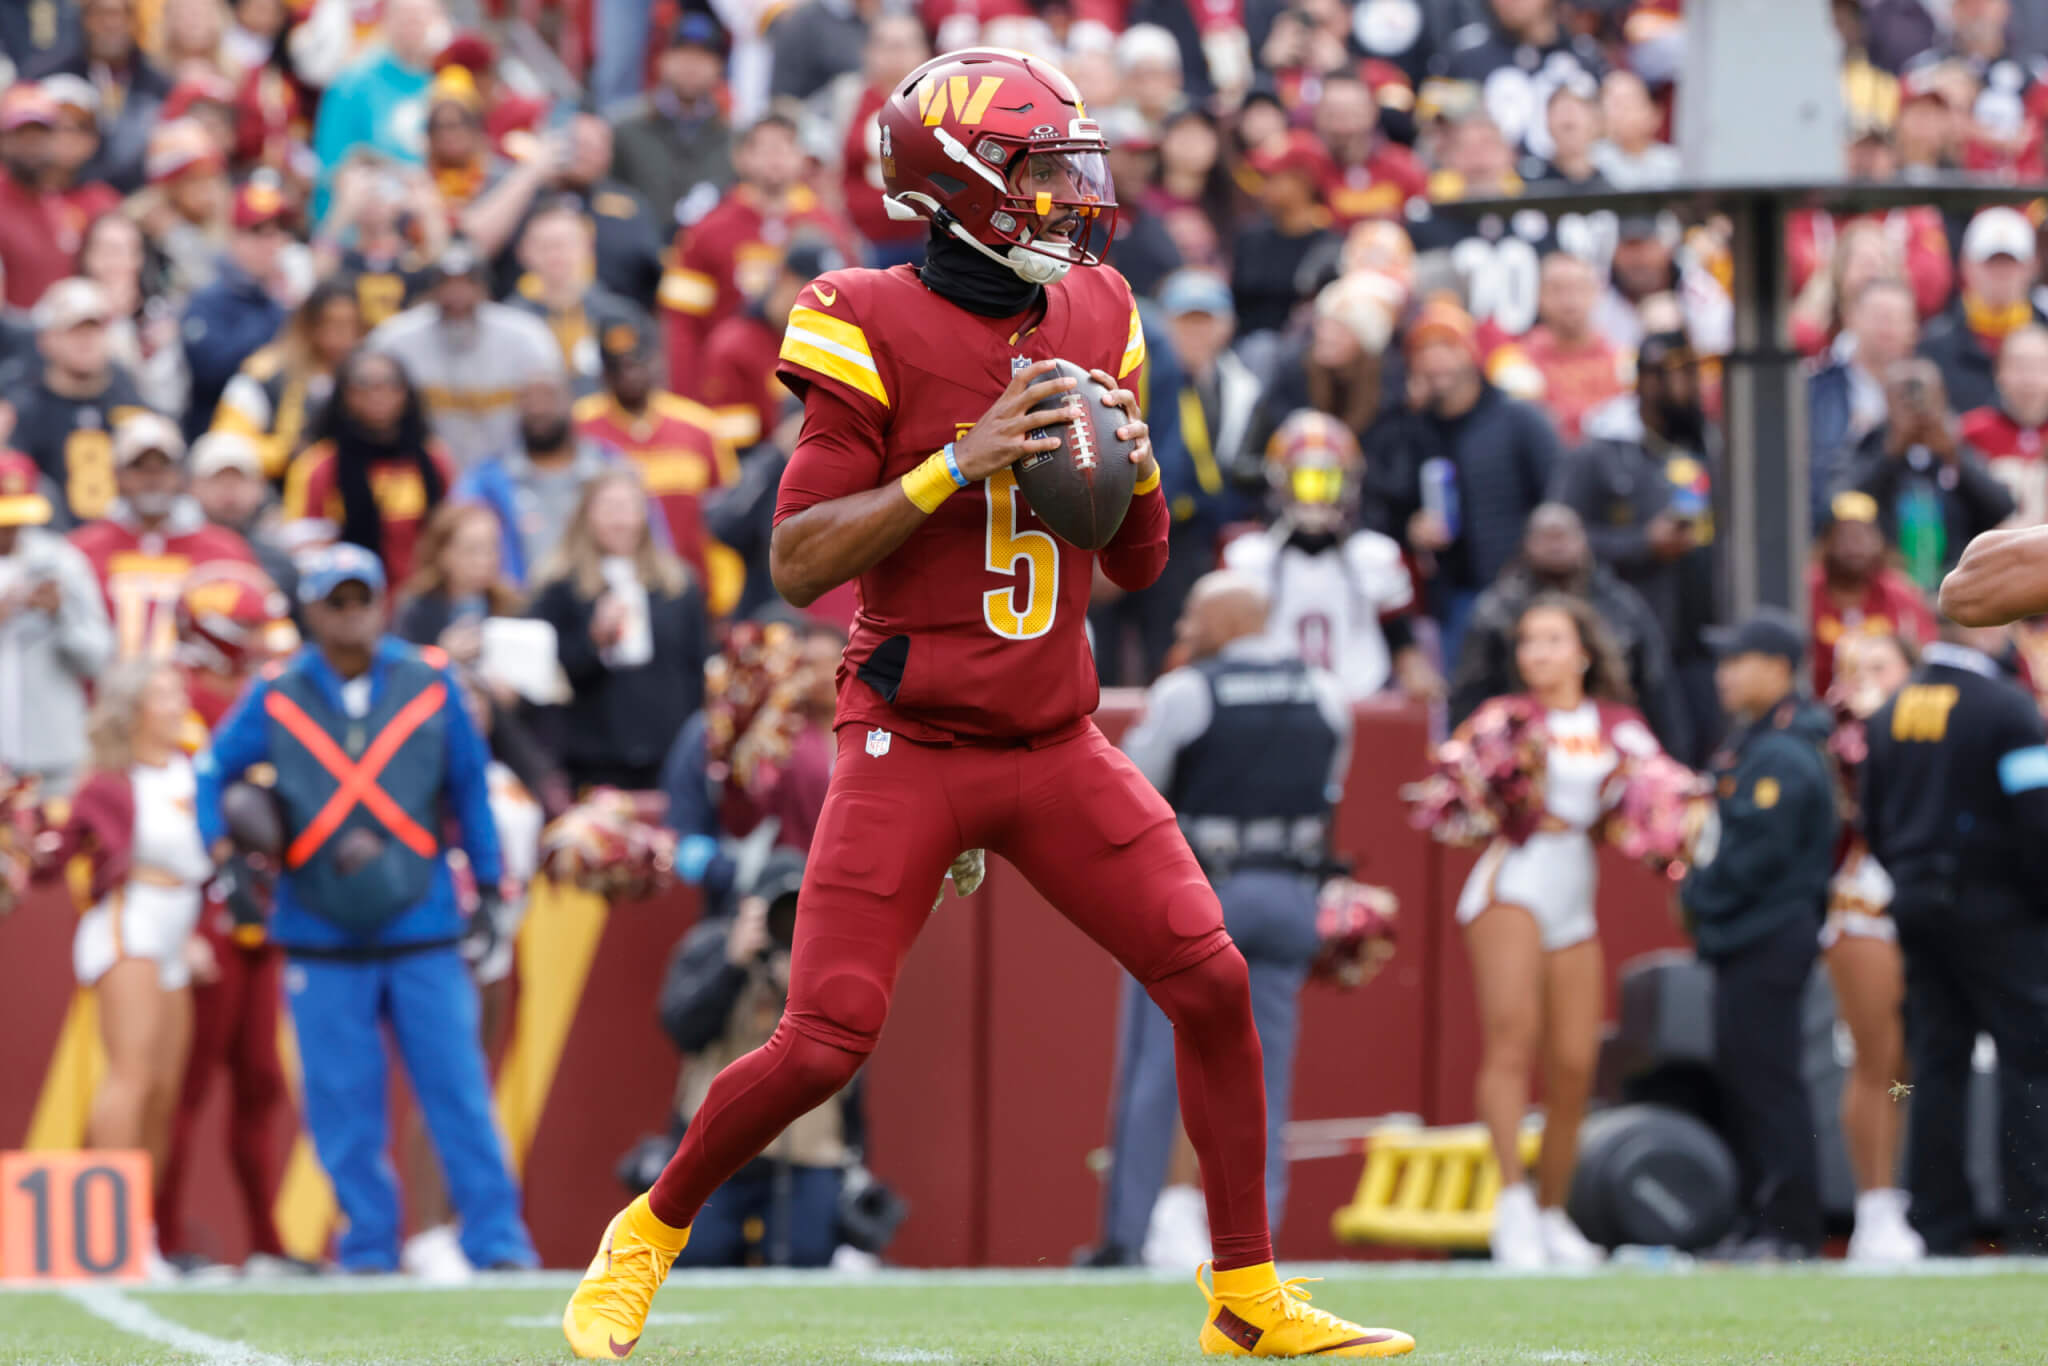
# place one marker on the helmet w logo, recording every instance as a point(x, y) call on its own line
point(968, 98)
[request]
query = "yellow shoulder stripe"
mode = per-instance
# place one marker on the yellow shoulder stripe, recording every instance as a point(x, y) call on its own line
point(1134, 346)
point(834, 348)
point(688, 291)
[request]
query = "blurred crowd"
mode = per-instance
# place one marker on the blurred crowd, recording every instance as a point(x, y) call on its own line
point(286, 274)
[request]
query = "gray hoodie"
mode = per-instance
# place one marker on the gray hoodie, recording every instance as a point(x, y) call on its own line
point(45, 660)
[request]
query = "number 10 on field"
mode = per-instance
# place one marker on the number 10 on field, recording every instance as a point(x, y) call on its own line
point(73, 1215)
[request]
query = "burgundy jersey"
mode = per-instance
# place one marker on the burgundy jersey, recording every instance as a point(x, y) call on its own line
point(143, 573)
point(976, 625)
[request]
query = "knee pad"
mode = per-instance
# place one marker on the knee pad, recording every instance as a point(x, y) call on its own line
point(818, 1068)
point(845, 1009)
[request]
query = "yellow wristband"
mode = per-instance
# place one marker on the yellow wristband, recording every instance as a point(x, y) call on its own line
point(930, 484)
point(1147, 484)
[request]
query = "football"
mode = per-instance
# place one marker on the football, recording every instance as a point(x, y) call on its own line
point(253, 819)
point(1082, 489)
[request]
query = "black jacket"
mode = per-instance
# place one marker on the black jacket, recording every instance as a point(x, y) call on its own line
point(1968, 371)
point(620, 724)
point(1485, 665)
point(1972, 498)
point(1618, 482)
point(1955, 788)
point(1775, 792)
point(698, 994)
point(1504, 451)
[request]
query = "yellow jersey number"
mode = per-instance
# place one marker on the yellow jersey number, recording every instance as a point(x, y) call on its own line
point(1017, 550)
point(1921, 713)
point(89, 473)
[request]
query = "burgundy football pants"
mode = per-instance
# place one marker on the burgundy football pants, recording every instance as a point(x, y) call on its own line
point(234, 1025)
point(1076, 818)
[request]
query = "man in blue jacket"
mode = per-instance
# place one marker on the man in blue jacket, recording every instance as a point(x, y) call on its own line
point(236, 316)
point(370, 741)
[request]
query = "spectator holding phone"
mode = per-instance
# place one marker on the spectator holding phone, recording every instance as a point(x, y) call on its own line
point(1934, 491)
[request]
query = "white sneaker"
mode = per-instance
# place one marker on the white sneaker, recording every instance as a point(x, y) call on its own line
point(261, 1266)
point(1518, 1230)
point(1882, 1236)
point(156, 1269)
point(435, 1256)
point(1178, 1235)
point(1563, 1244)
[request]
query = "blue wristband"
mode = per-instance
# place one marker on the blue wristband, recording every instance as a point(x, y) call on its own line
point(953, 467)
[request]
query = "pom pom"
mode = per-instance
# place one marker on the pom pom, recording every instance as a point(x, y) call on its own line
point(1355, 922)
point(611, 843)
point(1487, 780)
point(1660, 809)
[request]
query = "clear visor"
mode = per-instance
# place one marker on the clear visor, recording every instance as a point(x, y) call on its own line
point(1062, 197)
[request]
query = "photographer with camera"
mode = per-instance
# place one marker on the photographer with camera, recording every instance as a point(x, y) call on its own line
point(1934, 490)
point(726, 988)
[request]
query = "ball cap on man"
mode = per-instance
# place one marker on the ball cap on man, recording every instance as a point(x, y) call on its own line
point(21, 492)
point(1770, 631)
point(72, 303)
point(259, 204)
point(328, 568)
point(1998, 231)
point(27, 105)
point(217, 452)
point(700, 30)
point(145, 433)
point(1195, 290)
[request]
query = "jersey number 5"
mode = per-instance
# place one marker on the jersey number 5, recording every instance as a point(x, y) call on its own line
point(1007, 544)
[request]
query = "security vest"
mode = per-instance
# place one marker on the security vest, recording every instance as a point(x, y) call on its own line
point(1253, 790)
point(382, 772)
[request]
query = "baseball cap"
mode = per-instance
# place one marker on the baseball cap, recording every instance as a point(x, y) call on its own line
point(697, 29)
point(1767, 631)
point(807, 259)
point(457, 259)
point(1127, 130)
point(1998, 231)
point(1196, 291)
point(470, 51)
point(257, 205)
point(328, 568)
point(177, 147)
point(1300, 152)
point(1665, 351)
point(218, 451)
point(623, 340)
point(1851, 505)
point(68, 303)
point(67, 91)
point(199, 88)
point(455, 85)
point(21, 493)
point(1443, 319)
point(142, 433)
point(26, 104)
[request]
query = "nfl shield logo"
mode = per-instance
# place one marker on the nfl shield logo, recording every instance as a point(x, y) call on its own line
point(878, 742)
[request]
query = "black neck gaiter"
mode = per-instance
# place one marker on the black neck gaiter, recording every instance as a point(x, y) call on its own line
point(959, 274)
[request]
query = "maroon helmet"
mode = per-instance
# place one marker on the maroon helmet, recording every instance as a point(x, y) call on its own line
point(995, 148)
point(231, 618)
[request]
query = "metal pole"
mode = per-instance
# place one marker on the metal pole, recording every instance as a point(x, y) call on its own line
point(1767, 505)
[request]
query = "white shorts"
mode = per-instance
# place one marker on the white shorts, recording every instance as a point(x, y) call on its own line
point(1858, 899)
point(1552, 876)
point(138, 921)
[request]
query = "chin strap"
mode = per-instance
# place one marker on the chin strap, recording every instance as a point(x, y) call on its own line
point(1032, 267)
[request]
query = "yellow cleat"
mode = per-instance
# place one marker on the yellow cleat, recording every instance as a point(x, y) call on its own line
point(608, 1310)
point(1253, 1313)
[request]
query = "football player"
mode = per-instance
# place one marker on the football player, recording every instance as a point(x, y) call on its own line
point(967, 685)
point(1339, 595)
point(230, 621)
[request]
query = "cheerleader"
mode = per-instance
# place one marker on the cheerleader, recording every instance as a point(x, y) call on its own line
point(1527, 913)
point(132, 820)
point(1860, 945)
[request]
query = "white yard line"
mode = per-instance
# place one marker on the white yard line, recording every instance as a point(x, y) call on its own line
point(989, 1278)
point(109, 1305)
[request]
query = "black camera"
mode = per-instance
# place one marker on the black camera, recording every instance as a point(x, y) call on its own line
point(779, 880)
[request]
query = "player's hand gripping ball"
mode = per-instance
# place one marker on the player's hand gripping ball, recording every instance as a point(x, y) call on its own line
point(1081, 488)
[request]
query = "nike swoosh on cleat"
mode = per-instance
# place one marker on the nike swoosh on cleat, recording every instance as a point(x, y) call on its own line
point(620, 1349)
point(1365, 1341)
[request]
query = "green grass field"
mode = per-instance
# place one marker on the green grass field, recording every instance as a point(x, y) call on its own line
point(1985, 1312)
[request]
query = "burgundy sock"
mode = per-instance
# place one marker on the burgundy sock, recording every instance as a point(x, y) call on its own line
point(754, 1099)
point(1222, 1100)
